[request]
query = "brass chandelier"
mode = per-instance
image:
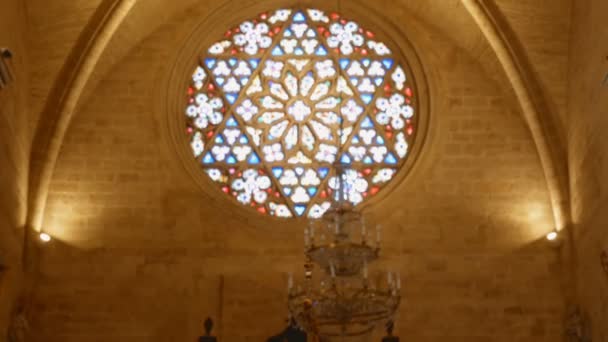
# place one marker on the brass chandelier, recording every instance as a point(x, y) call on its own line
point(341, 301)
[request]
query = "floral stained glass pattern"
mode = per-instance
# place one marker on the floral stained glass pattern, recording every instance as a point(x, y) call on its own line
point(282, 97)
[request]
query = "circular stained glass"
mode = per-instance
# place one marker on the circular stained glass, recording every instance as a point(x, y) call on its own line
point(282, 97)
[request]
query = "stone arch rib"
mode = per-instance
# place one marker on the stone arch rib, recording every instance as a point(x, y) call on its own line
point(63, 99)
point(532, 101)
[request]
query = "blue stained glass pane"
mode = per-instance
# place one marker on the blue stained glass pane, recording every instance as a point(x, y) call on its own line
point(208, 159)
point(220, 80)
point(378, 81)
point(299, 52)
point(344, 62)
point(219, 139)
point(244, 80)
point(388, 63)
point(354, 80)
point(299, 17)
point(299, 171)
point(277, 171)
point(232, 61)
point(367, 123)
point(231, 159)
point(323, 171)
point(210, 62)
point(312, 191)
point(288, 33)
point(368, 160)
point(253, 158)
point(345, 159)
point(243, 139)
point(277, 51)
point(379, 140)
point(300, 209)
point(232, 122)
point(254, 62)
point(356, 140)
point(287, 191)
point(366, 62)
point(390, 159)
point(232, 98)
point(321, 51)
point(367, 98)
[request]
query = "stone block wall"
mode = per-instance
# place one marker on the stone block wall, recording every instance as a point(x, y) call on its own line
point(14, 157)
point(141, 253)
point(588, 158)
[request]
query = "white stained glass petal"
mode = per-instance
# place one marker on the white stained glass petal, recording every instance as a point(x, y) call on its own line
point(317, 210)
point(317, 15)
point(241, 152)
point(310, 45)
point(221, 69)
point(379, 48)
point(270, 103)
point(197, 144)
point(255, 135)
point(263, 182)
point(299, 110)
point(307, 82)
point(242, 69)
point(199, 74)
point(232, 86)
point(355, 69)
point(247, 110)
point(273, 153)
point(299, 29)
point(310, 178)
point(328, 118)
point(231, 135)
point(320, 91)
point(291, 139)
point(366, 86)
point(291, 82)
point(260, 197)
point(299, 64)
point(216, 175)
point(352, 110)
point(376, 69)
point(323, 132)
point(300, 195)
point(343, 87)
point(357, 152)
point(401, 146)
point(279, 16)
point(289, 178)
point(383, 176)
point(378, 153)
point(328, 103)
point(344, 134)
point(280, 210)
point(277, 90)
point(325, 69)
point(270, 117)
point(308, 138)
point(367, 135)
point(277, 130)
point(288, 45)
point(219, 47)
point(220, 152)
point(273, 69)
point(299, 158)
point(399, 78)
point(255, 87)
point(327, 153)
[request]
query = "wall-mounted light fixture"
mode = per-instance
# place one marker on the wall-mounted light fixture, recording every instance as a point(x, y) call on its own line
point(604, 260)
point(6, 77)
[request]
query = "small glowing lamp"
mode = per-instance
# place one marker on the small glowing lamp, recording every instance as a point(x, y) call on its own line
point(44, 237)
point(552, 236)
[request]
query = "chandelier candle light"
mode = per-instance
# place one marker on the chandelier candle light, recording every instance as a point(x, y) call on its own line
point(343, 302)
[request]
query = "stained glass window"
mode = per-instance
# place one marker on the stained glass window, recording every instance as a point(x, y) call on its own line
point(282, 97)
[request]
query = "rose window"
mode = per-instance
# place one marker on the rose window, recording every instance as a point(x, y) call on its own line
point(281, 98)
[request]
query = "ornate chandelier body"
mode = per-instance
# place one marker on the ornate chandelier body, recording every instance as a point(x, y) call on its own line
point(343, 301)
